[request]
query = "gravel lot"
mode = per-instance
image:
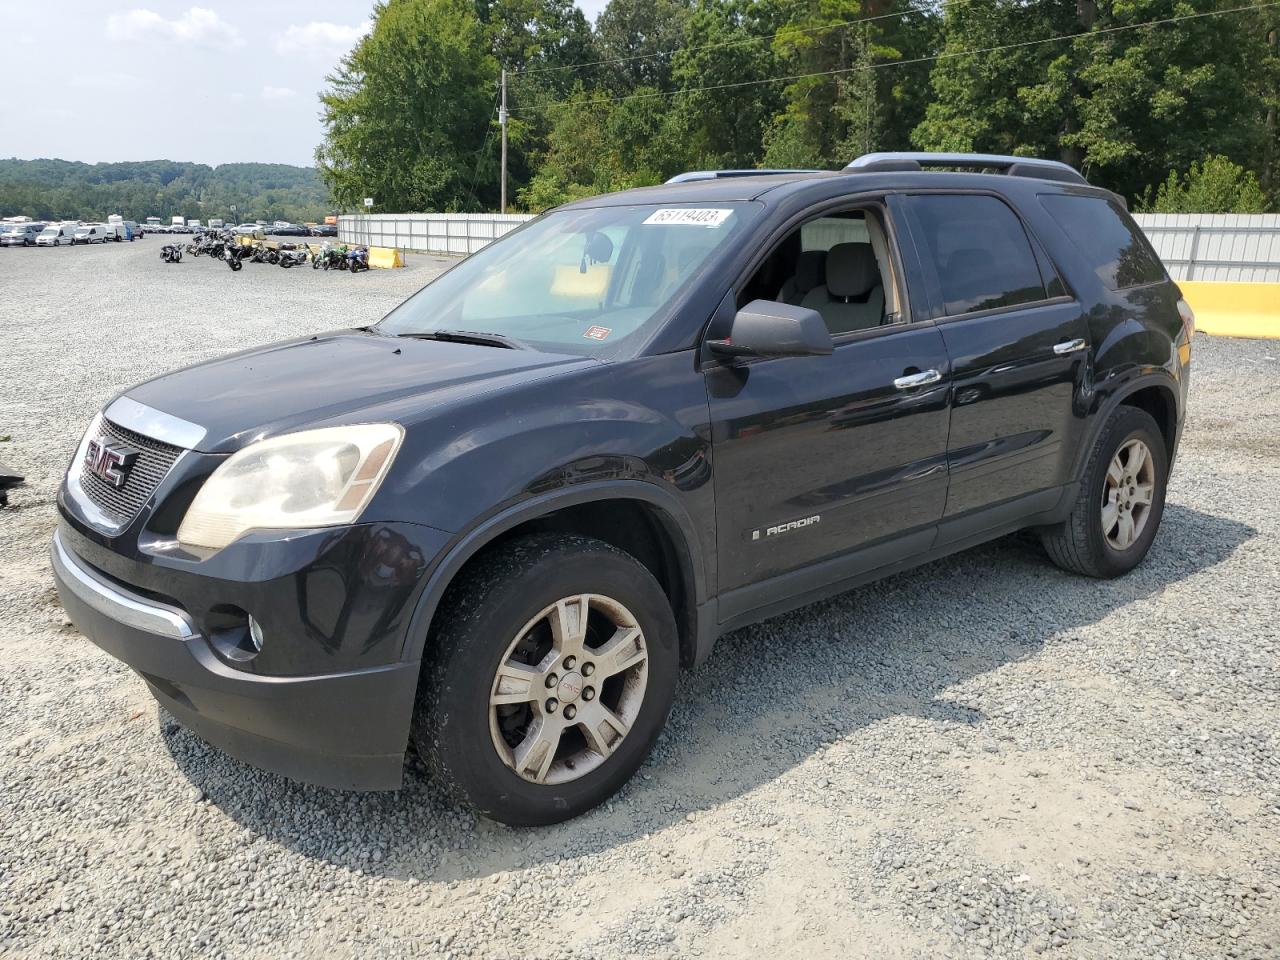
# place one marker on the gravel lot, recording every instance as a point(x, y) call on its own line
point(983, 757)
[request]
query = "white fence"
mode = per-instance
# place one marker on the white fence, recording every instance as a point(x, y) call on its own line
point(457, 233)
point(1220, 246)
point(1216, 246)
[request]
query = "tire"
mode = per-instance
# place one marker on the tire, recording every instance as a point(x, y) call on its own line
point(1081, 544)
point(485, 619)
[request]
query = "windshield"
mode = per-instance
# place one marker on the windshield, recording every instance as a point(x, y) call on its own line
point(575, 281)
point(50, 232)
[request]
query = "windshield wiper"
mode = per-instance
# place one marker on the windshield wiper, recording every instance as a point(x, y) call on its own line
point(470, 336)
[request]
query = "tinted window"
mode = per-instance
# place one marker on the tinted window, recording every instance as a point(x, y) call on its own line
point(1108, 240)
point(980, 252)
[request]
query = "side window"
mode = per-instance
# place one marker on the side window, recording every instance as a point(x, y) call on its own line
point(1107, 239)
point(825, 232)
point(837, 264)
point(980, 252)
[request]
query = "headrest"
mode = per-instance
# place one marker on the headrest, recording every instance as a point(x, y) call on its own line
point(811, 270)
point(851, 270)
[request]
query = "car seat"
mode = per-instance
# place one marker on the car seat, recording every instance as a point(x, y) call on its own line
point(853, 296)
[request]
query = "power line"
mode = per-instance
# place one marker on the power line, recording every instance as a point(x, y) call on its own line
point(741, 40)
point(915, 60)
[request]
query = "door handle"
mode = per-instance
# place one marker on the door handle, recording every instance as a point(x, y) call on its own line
point(1069, 346)
point(921, 379)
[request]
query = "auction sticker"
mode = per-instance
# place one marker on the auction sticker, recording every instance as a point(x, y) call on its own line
point(597, 333)
point(689, 216)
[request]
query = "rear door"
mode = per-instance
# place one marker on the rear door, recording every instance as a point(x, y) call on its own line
point(1018, 348)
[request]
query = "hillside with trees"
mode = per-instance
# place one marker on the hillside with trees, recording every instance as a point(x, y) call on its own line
point(66, 190)
point(1146, 97)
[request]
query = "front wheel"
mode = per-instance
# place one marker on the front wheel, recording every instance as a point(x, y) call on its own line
point(550, 677)
point(1121, 500)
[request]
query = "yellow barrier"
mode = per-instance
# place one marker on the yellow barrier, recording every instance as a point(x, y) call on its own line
point(385, 257)
point(1230, 309)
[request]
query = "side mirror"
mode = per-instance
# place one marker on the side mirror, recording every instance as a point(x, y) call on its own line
point(764, 328)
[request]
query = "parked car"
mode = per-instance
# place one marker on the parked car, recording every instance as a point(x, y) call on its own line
point(20, 234)
point(90, 233)
point(114, 231)
point(56, 234)
point(250, 230)
point(324, 230)
point(288, 230)
point(554, 476)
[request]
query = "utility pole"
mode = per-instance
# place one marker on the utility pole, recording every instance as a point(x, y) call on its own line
point(502, 122)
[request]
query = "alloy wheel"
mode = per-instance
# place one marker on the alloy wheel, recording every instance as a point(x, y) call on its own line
point(568, 689)
point(1127, 494)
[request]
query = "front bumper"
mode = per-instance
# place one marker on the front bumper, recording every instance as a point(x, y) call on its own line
point(345, 730)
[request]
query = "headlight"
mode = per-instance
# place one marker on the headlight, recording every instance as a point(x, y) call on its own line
point(315, 478)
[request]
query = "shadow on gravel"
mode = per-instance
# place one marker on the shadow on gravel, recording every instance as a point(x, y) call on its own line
point(771, 696)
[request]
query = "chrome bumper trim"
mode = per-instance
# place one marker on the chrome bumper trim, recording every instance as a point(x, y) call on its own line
point(114, 601)
point(150, 422)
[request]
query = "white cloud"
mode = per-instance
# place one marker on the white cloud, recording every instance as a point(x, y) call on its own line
point(278, 93)
point(321, 39)
point(196, 27)
point(112, 79)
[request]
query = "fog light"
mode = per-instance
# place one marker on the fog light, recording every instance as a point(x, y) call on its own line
point(255, 634)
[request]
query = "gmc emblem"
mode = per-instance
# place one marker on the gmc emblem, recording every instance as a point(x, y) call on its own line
point(110, 461)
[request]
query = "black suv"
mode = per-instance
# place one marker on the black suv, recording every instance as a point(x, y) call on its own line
point(499, 522)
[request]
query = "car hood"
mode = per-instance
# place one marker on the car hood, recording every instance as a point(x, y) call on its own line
point(345, 376)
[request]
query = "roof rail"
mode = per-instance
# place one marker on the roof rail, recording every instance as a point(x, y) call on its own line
point(689, 175)
point(1012, 166)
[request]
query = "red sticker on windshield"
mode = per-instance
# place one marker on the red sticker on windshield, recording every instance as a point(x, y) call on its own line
point(597, 333)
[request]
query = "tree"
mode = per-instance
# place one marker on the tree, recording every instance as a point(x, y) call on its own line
point(1124, 101)
point(727, 50)
point(642, 37)
point(850, 96)
point(1215, 186)
point(407, 112)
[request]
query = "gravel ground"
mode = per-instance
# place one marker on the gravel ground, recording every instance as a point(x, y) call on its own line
point(983, 757)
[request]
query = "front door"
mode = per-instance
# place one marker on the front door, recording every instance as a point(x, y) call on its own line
point(828, 466)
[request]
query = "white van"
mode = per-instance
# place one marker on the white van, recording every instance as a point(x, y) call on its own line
point(90, 233)
point(56, 234)
point(19, 234)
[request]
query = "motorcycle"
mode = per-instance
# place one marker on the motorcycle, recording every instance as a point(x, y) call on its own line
point(358, 259)
point(234, 255)
point(171, 253)
point(291, 256)
point(331, 258)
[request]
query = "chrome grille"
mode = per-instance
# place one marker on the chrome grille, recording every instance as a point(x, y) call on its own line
point(155, 459)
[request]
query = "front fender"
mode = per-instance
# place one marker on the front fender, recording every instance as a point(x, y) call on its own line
point(469, 543)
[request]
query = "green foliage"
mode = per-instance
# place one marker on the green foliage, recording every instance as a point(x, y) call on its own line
point(64, 190)
point(661, 86)
point(408, 110)
point(1125, 105)
point(1215, 186)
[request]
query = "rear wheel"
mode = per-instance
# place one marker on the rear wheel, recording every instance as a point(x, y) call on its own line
point(1120, 503)
point(552, 674)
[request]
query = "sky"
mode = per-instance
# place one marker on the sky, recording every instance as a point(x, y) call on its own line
point(218, 82)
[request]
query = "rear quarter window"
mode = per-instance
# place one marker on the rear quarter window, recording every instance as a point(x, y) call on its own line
point(1108, 240)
